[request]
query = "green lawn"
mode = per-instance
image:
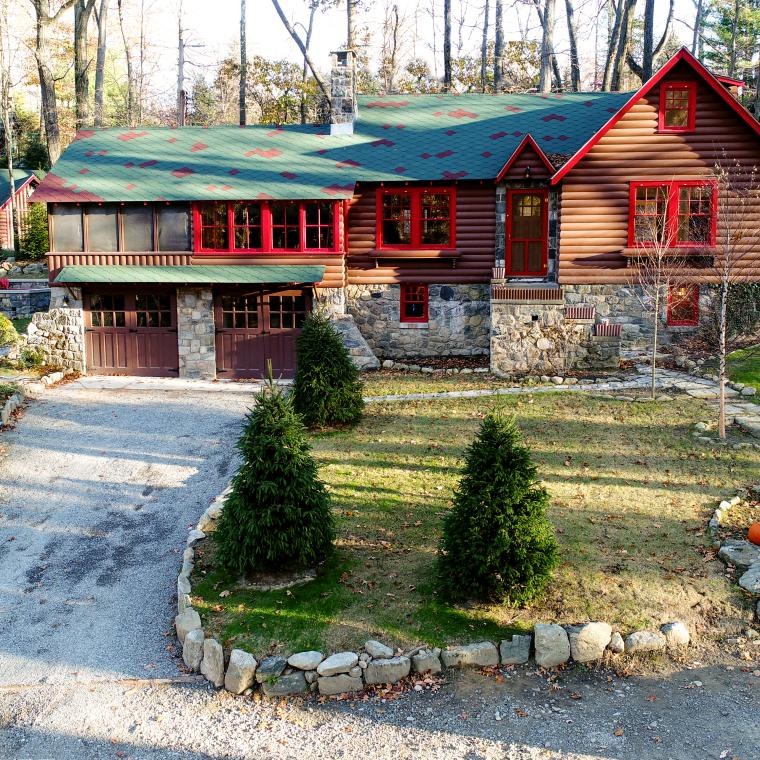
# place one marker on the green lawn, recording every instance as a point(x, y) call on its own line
point(631, 493)
point(744, 367)
point(21, 324)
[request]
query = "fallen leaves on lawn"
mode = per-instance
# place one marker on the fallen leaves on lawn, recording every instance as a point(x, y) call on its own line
point(520, 713)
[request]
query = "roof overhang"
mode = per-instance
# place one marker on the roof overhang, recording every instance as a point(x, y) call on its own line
point(682, 55)
point(253, 274)
point(22, 184)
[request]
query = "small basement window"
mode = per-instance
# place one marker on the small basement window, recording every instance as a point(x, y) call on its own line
point(678, 102)
point(683, 306)
point(414, 303)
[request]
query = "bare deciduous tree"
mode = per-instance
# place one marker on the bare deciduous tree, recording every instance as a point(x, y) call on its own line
point(484, 46)
point(243, 63)
point(447, 45)
point(82, 13)
point(572, 34)
point(645, 69)
point(617, 45)
point(130, 67)
point(498, 50)
point(101, 17)
point(6, 116)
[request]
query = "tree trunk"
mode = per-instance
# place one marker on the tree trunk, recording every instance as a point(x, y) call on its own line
point(350, 25)
point(7, 122)
point(695, 40)
point(304, 52)
point(498, 53)
point(484, 47)
point(181, 94)
point(626, 22)
point(612, 46)
point(447, 45)
point(547, 47)
point(243, 64)
point(82, 11)
point(722, 359)
point(734, 34)
point(648, 52)
point(656, 332)
point(575, 64)
point(130, 75)
point(101, 15)
point(305, 68)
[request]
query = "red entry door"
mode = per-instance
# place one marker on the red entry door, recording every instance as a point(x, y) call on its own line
point(527, 233)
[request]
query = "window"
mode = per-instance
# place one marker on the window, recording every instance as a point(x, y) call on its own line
point(67, 227)
point(676, 214)
point(416, 218)
point(266, 226)
point(677, 107)
point(286, 312)
point(414, 303)
point(102, 228)
point(137, 228)
point(107, 311)
point(683, 305)
point(527, 233)
point(240, 312)
point(153, 309)
point(173, 227)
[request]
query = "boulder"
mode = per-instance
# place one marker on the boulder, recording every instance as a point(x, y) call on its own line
point(285, 686)
point(183, 584)
point(588, 641)
point(305, 660)
point(389, 670)
point(340, 684)
point(341, 662)
point(240, 671)
point(616, 645)
point(478, 655)
point(195, 535)
point(426, 661)
point(750, 581)
point(192, 649)
point(270, 668)
point(378, 650)
point(645, 641)
point(743, 554)
point(213, 662)
point(749, 391)
point(676, 634)
point(185, 622)
point(552, 645)
point(516, 651)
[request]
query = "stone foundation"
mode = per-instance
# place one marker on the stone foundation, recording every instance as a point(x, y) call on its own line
point(196, 333)
point(59, 333)
point(458, 321)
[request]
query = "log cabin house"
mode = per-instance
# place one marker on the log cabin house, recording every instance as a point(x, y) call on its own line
point(24, 183)
point(427, 225)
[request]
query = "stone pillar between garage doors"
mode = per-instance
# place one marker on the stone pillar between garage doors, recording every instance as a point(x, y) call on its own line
point(196, 333)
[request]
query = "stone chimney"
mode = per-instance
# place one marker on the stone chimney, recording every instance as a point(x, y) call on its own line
point(343, 106)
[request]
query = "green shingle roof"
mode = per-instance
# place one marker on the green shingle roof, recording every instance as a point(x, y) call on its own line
point(399, 137)
point(116, 274)
point(20, 176)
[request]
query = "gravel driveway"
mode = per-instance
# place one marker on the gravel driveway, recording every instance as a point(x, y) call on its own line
point(98, 488)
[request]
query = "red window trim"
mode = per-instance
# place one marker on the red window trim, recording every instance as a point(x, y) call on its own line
point(415, 193)
point(404, 299)
point(691, 88)
point(266, 230)
point(693, 321)
point(544, 233)
point(671, 211)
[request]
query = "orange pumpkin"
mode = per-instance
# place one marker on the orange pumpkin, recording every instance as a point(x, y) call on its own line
point(753, 534)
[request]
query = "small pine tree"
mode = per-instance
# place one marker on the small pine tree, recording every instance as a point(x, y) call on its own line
point(497, 542)
point(34, 238)
point(277, 515)
point(8, 334)
point(327, 389)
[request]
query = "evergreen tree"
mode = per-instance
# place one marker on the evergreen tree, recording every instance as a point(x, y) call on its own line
point(327, 389)
point(34, 237)
point(277, 516)
point(497, 542)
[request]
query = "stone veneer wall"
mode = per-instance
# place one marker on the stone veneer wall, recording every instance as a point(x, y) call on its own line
point(196, 333)
point(17, 303)
point(59, 332)
point(458, 321)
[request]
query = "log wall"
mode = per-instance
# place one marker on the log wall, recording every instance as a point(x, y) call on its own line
point(595, 193)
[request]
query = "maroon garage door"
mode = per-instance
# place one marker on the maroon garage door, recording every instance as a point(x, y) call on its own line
point(131, 333)
point(253, 328)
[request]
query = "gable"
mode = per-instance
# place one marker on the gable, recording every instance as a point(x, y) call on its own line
point(527, 162)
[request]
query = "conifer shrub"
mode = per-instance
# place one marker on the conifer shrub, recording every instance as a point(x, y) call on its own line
point(327, 390)
point(497, 543)
point(8, 332)
point(277, 516)
point(34, 238)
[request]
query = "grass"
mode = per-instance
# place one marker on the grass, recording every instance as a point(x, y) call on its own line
point(631, 494)
point(6, 391)
point(21, 324)
point(744, 367)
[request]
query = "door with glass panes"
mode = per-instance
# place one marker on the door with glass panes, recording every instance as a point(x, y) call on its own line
point(255, 327)
point(527, 233)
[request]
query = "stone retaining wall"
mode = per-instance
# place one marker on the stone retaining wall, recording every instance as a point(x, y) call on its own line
point(23, 301)
point(59, 333)
point(458, 323)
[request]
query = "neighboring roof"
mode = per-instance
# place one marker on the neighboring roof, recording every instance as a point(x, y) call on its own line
point(682, 55)
point(188, 275)
point(398, 137)
point(20, 178)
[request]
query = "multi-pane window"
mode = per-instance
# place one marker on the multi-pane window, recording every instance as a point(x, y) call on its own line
point(247, 219)
point(213, 226)
point(414, 303)
point(677, 107)
point(153, 309)
point(240, 312)
point(107, 311)
point(129, 227)
point(286, 312)
point(683, 305)
point(415, 218)
point(678, 214)
point(266, 226)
